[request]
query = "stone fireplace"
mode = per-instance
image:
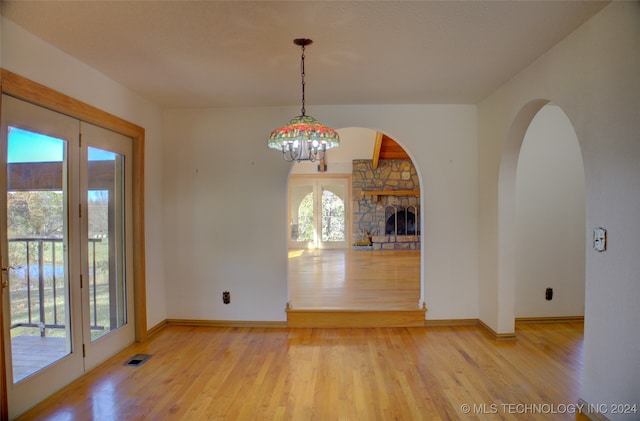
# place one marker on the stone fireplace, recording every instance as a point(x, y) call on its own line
point(386, 205)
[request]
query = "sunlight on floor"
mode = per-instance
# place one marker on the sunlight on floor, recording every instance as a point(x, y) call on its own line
point(346, 278)
point(295, 253)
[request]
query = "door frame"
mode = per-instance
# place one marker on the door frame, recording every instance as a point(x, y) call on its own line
point(35, 93)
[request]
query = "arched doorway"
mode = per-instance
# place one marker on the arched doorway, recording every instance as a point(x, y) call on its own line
point(355, 265)
point(550, 219)
point(519, 221)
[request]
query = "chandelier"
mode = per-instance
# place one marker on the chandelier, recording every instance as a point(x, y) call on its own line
point(304, 138)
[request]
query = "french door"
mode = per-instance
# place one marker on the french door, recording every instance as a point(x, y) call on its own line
point(65, 238)
point(318, 212)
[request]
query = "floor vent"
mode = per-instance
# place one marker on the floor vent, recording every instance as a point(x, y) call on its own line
point(138, 360)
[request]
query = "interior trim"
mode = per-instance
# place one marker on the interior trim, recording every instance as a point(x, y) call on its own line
point(500, 337)
point(450, 322)
point(224, 323)
point(560, 319)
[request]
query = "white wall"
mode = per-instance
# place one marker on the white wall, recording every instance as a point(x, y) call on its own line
point(226, 197)
point(550, 218)
point(593, 75)
point(30, 57)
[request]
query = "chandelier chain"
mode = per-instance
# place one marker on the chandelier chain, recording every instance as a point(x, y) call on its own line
point(303, 111)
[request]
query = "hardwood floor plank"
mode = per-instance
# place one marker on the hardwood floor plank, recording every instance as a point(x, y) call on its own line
point(241, 373)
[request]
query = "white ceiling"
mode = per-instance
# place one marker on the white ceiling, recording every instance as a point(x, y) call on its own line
point(240, 53)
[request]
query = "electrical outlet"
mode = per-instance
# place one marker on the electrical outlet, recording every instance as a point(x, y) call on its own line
point(599, 239)
point(548, 294)
point(226, 297)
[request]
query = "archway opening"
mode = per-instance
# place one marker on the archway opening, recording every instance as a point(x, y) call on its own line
point(550, 219)
point(541, 219)
point(371, 268)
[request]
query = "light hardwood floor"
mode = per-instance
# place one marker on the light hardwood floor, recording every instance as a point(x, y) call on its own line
point(426, 373)
point(423, 373)
point(354, 279)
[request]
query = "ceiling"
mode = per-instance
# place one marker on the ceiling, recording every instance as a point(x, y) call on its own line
point(388, 149)
point(241, 53)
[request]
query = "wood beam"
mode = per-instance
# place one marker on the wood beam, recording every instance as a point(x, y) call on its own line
point(376, 150)
point(377, 193)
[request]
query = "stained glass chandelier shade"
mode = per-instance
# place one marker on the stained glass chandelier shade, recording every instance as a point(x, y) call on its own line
point(304, 138)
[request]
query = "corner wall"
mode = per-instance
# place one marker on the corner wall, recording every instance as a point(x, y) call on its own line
point(593, 76)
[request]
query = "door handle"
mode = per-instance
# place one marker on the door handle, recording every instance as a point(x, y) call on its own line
point(5, 282)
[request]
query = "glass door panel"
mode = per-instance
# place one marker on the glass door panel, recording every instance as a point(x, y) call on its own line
point(37, 260)
point(105, 214)
point(302, 222)
point(108, 289)
point(40, 287)
point(333, 214)
point(318, 212)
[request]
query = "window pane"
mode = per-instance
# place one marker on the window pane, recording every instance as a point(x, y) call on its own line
point(106, 251)
point(333, 227)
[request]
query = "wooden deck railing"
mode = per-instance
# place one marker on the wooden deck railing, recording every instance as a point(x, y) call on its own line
point(41, 305)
